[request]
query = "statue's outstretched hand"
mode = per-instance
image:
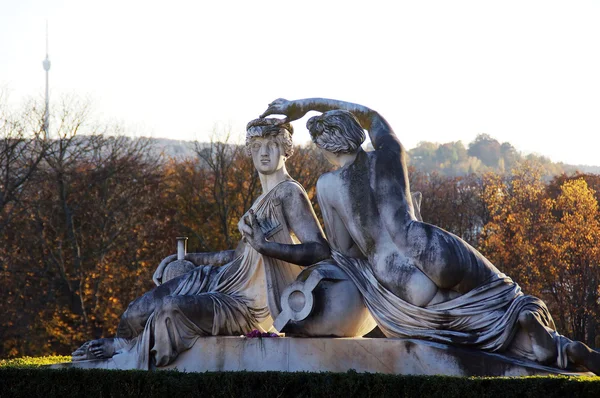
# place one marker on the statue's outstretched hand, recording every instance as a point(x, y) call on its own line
point(158, 274)
point(281, 106)
point(252, 232)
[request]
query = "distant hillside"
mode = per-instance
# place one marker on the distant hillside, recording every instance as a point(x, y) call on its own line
point(452, 158)
point(174, 148)
point(479, 156)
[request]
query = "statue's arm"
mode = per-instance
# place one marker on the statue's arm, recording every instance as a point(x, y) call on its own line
point(392, 189)
point(212, 258)
point(301, 219)
point(380, 132)
point(216, 258)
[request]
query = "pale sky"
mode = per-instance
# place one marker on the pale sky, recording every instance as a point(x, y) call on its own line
point(526, 72)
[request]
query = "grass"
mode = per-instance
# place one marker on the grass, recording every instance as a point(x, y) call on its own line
point(33, 362)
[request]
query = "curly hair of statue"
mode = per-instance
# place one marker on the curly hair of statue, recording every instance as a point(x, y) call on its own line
point(274, 128)
point(336, 131)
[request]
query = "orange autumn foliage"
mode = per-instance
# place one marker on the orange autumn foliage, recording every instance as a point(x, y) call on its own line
point(548, 244)
point(84, 235)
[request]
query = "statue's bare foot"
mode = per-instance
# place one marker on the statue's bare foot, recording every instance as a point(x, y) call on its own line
point(81, 354)
point(95, 349)
point(581, 354)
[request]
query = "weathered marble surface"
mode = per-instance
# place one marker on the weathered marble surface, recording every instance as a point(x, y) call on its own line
point(417, 280)
point(379, 263)
point(231, 292)
point(323, 302)
point(391, 356)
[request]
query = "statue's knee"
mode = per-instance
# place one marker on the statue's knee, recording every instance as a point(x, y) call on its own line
point(126, 329)
point(168, 305)
point(127, 316)
point(576, 350)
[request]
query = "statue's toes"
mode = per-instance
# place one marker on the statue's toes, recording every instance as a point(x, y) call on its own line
point(97, 351)
point(98, 354)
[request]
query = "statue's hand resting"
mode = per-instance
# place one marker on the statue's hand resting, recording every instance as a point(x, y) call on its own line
point(95, 349)
point(291, 109)
point(252, 233)
point(158, 274)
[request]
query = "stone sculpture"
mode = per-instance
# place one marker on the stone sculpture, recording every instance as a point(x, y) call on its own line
point(172, 269)
point(381, 264)
point(312, 305)
point(417, 280)
point(244, 293)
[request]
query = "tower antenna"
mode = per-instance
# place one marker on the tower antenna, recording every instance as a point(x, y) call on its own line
point(46, 64)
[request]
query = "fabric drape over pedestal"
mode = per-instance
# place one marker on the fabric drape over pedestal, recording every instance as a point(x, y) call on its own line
point(485, 318)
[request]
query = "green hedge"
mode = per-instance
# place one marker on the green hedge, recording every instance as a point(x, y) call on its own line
point(15, 382)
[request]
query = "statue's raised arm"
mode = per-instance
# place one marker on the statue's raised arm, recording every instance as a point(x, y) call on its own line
point(381, 133)
point(392, 191)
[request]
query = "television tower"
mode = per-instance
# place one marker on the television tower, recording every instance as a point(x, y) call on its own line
point(46, 64)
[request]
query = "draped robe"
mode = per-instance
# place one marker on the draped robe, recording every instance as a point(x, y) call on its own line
point(485, 318)
point(242, 295)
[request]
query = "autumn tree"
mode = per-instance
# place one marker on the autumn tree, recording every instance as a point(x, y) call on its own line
point(80, 251)
point(452, 203)
point(487, 149)
point(23, 145)
point(229, 185)
point(548, 243)
point(592, 181)
point(571, 259)
point(519, 218)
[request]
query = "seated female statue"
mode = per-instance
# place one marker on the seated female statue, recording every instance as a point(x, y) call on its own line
point(239, 296)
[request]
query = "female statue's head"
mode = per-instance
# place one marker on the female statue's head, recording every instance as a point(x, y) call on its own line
point(269, 142)
point(336, 132)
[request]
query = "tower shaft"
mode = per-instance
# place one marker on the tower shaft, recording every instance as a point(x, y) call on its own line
point(46, 64)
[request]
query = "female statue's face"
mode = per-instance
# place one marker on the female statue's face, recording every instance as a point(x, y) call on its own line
point(267, 155)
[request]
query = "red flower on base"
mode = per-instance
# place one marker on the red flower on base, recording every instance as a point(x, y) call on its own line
point(256, 333)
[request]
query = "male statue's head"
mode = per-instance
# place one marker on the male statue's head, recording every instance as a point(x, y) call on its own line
point(336, 133)
point(269, 142)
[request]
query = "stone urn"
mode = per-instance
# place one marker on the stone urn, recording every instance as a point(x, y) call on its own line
point(323, 302)
point(181, 265)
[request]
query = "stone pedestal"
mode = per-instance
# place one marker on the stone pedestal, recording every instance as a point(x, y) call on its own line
point(392, 356)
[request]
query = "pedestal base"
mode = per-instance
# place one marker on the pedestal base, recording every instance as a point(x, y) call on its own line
point(392, 356)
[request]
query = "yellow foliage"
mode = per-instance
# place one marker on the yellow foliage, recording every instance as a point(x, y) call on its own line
point(548, 245)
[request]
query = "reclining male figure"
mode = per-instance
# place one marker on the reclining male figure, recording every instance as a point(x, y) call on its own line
point(430, 283)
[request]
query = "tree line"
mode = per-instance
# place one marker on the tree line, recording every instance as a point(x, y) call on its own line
point(482, 155)
point(86, 215)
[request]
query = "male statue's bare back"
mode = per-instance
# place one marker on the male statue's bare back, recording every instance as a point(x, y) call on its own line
point(434, 267)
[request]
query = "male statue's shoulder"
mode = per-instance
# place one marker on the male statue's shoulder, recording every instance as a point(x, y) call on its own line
point(327, 180)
